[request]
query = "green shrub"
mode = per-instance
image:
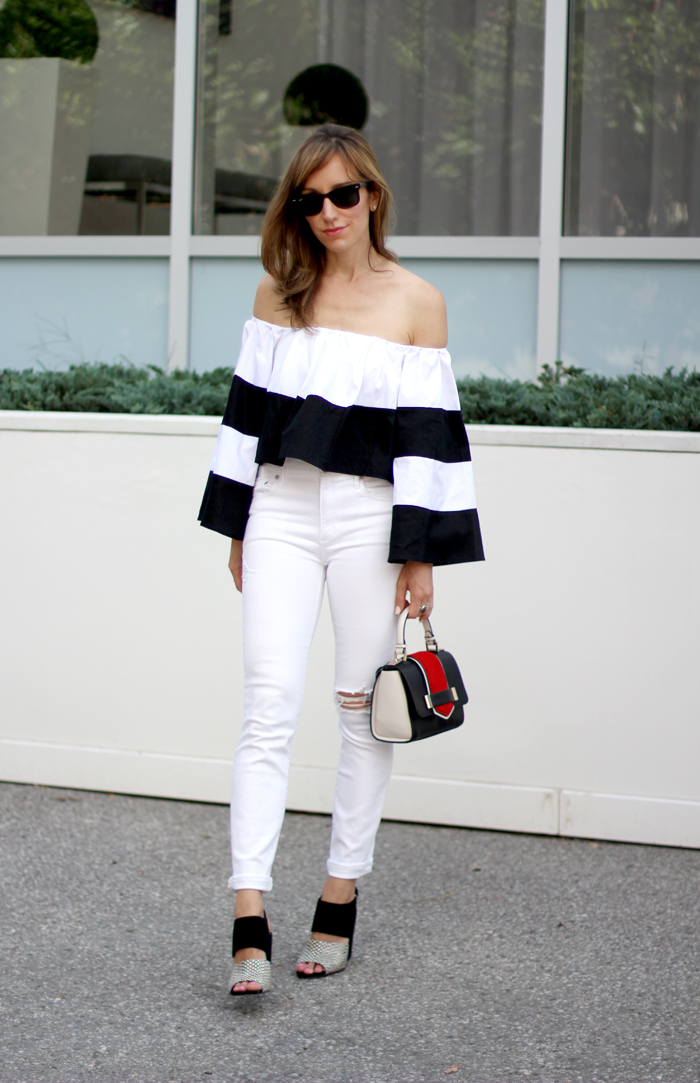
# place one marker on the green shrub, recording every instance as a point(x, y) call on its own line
point(31, 28)
point(573, 398)
point(116, 389)
point(561, 396)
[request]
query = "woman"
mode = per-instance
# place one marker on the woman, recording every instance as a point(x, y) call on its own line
point(342, 458)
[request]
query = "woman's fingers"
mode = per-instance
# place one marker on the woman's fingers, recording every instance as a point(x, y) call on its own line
point(416, 607)
point(235, 563)
point(401, 585)
point(236, 571)
point(419, 582)
point(414, 604)
point(424, 603)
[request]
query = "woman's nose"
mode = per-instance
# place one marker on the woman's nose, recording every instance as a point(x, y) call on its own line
point(328, 210)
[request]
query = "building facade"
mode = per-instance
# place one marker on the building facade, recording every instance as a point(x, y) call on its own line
point(544, 156)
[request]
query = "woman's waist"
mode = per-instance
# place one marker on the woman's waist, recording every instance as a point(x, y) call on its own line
point(332, 450)
point(306, 470)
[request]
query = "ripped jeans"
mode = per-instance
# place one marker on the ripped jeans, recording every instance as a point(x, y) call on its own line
point(308, 527)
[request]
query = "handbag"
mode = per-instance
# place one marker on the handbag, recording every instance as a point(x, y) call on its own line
point(417, 695)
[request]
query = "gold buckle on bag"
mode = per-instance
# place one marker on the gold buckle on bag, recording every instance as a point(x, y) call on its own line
point(429, 699)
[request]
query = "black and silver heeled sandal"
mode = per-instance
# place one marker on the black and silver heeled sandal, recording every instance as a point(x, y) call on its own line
point(251, 932)
point(333, 919)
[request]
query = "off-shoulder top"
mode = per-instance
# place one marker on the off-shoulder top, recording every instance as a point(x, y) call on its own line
point(351, 404)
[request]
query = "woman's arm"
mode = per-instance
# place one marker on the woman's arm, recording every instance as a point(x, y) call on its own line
point(268, 306)
point(429, 328)
point(428, 315)
point(229, 489)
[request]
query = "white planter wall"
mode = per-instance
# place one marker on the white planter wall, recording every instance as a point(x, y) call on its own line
point(578, 637)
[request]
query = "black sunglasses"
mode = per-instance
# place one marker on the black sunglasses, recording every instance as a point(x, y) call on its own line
point(311, 203)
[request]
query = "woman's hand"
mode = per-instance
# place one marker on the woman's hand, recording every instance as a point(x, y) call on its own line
point(235, 563)
point(416, 578)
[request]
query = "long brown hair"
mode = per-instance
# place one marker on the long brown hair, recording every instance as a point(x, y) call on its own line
point(291, 254)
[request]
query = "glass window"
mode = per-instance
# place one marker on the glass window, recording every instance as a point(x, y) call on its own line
point(619, 316)
point(448, 92)
point(633, 133)
point(86, 103)
point(477, 292)
point(63, 311)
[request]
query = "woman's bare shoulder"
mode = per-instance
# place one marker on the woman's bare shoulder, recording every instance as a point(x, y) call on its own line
point(424, 309)
point(268, 304)
point(427, 311)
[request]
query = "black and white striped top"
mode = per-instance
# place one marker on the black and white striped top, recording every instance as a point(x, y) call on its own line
point(350, 404)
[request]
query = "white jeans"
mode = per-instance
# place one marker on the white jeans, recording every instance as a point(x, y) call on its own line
point(308, 527)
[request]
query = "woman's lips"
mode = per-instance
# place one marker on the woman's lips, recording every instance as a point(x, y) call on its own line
point(334, 231)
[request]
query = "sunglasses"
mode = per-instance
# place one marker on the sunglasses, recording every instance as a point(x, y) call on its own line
point(311, 203)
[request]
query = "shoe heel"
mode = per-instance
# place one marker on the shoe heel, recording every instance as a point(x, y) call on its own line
point(252, 932)
point(333, 919)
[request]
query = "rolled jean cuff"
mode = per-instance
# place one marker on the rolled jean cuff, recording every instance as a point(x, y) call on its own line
point(250, 883)
point(348, 872)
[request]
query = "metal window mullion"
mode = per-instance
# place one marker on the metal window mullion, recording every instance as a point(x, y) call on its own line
point(552, 182)
point(182, 183)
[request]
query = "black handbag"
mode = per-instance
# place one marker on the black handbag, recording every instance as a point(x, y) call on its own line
point(417, 695)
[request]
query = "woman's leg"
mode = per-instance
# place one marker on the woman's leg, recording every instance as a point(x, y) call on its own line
point(283, 578)
point(361, 591)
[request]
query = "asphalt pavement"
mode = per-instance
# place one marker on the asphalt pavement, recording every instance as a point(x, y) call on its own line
point(480, 956)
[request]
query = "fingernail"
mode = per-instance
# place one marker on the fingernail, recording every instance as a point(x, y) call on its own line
point(397, 612)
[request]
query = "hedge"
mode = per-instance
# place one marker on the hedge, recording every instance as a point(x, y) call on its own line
point(561, 396)
point(116, 389)
point(574, 398)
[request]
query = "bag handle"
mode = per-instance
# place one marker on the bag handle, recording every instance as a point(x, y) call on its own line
point(400, 649)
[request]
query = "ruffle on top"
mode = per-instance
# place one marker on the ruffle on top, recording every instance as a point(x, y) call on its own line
point(351, 404)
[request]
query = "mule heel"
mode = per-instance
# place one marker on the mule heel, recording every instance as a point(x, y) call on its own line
point(333, 919)
point(251, 932)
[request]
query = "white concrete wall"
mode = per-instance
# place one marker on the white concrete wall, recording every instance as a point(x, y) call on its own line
point(578, 637)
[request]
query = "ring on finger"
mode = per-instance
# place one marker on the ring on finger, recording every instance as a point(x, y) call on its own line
point(422, 609)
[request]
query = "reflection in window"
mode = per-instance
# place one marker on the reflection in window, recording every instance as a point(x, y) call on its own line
point(454, 89)
point(86, 100)
point(633, 134)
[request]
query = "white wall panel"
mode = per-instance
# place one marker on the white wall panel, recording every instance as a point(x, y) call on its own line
point(120, 633)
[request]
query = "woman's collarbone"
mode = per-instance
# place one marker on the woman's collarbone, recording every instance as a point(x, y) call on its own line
point(369, 324)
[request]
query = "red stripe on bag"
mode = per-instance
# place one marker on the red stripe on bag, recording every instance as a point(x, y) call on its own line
point(435, 674)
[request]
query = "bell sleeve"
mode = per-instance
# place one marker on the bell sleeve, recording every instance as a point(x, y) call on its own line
point(434, 519)
point(229, 490)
